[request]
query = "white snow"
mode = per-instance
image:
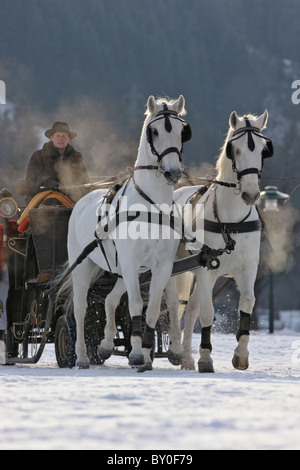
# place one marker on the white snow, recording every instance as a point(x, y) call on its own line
point(112, 407)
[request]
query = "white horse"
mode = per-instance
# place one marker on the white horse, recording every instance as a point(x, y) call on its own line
point(230, 219)
point(157, 170)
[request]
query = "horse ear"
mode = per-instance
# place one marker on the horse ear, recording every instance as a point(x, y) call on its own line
point(233, 120)
point(179, 105)
point(262, 120)
point(151, 105)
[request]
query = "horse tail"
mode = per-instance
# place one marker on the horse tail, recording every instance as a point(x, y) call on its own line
point(64, 294)
point(185, 285)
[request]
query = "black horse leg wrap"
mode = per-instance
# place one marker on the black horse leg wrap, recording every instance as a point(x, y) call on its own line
point(148, 338)
point(205, 338)
point(136, 324)
point(245, 320)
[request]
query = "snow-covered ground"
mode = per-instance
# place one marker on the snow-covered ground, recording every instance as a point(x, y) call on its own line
point(112, 407)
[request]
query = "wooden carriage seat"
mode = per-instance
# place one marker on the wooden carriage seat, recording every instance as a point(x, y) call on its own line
point(47, 216)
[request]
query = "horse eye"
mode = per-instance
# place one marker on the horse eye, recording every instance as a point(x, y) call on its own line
point(155, 132)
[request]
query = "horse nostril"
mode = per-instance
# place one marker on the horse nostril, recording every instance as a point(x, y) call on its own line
point(248, 199)
point(178, 175)
point(173, 176)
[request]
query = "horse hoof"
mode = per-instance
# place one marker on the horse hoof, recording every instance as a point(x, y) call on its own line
point(136, 360)
point(188, 364)
point(175, 359)
point(205, 367)
point(83, 365)
point(147, 366)
point(240, 363)
point(104, 354)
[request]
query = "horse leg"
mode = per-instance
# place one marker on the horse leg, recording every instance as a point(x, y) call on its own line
point(245, 282)
point(160, 277)
point(111, 302)
point(190, 317)
point(205, 283)
point(81, 281)
point(135, 304)
point(172, 300)
point(205, 363)
point(200, 303)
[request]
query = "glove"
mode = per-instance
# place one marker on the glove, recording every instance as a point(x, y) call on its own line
point(52, 185)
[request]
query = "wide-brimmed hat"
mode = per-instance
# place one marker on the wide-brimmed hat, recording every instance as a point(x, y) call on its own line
point(60, 126)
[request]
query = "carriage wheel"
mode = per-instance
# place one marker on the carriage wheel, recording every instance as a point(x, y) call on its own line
point(65, 338)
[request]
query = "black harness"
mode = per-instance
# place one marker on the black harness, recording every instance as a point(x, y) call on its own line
point(226, 229)
point(249, 130)
point(237, 227)
point(243, 226)
point(167, 115)
point(186, 135)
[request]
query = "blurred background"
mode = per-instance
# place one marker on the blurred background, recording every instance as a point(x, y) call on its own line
point(94, 63)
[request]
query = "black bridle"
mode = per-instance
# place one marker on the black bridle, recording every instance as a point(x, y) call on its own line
point(249, 130)
point(167, 115)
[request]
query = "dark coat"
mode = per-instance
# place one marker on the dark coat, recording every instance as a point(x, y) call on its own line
point(47, 165)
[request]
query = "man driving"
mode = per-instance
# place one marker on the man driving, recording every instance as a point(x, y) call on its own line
point(57, 166)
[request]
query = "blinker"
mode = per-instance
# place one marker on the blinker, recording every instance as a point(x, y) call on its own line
point(266, 153)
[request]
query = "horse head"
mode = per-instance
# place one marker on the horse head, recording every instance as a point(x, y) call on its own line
point(166, 132)
point(247, 148)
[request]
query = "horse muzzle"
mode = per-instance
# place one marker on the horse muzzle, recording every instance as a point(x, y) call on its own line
point(173, 177)
point(250, 199)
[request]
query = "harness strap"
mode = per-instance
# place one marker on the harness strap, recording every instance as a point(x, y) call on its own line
point(238, 227)
point(141, 192)
point(100, 243)
point(169, 150)
point(85, 252)
point(145, 167)
point(207, 182)
point(248, 171)
point(186, 239)
point(227, 228)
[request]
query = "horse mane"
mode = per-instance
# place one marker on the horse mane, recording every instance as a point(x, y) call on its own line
point(222, 160)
